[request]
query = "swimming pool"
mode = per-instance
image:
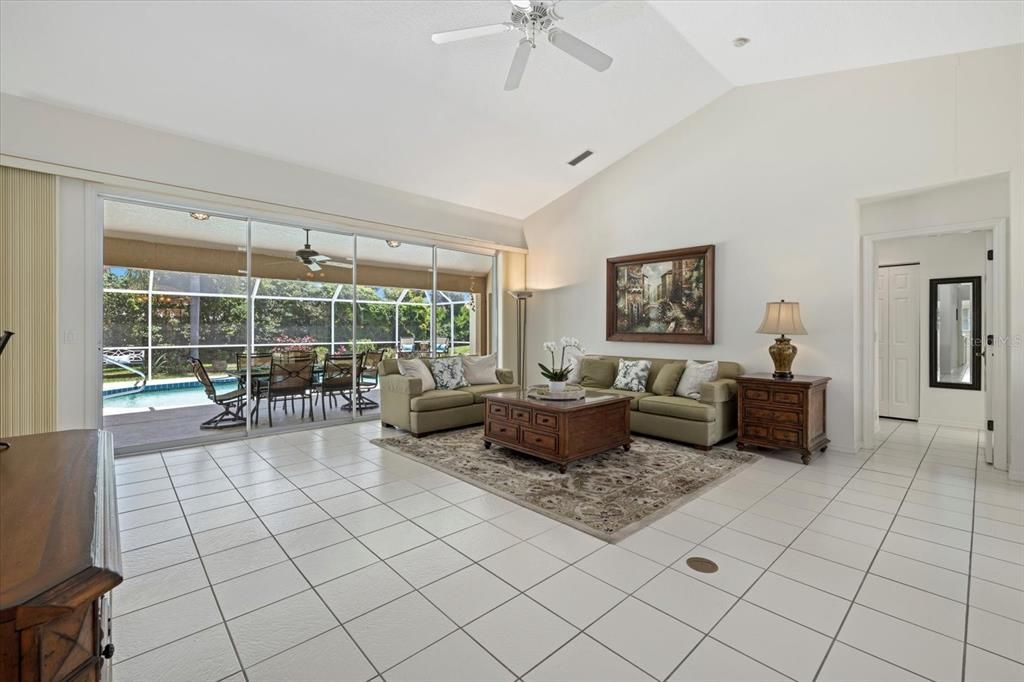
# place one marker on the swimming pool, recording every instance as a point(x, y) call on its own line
point(158, 397)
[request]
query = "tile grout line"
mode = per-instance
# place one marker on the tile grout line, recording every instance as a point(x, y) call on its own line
point(970, 563)
point(867, 572)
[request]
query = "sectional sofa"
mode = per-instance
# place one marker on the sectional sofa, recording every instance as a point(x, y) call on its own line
point(654, 412)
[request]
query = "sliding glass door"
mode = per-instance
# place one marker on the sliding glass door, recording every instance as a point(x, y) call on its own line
point(217, 326)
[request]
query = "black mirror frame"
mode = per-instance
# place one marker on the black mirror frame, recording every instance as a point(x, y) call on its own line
point(976, 346)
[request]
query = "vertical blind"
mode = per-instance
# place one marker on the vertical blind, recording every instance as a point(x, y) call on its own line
point(28, 301)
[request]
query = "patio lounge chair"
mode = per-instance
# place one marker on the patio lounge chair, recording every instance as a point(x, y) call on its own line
point(406, 344)
point(231, 402)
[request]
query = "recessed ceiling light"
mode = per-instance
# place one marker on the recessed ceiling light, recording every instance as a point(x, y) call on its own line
point(393, 243)
point(740, 42)
point(198, 215)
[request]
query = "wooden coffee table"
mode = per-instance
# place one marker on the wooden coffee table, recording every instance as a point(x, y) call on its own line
point(556, 431)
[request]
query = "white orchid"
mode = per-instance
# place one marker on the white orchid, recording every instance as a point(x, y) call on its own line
point(559, 371)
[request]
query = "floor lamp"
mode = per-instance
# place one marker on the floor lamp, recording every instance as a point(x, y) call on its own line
point(521, 296)
point(4, 338)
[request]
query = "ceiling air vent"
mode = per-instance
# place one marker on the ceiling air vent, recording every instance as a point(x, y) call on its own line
point(581, 158)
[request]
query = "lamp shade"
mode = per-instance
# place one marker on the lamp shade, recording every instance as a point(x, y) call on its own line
point(782, 317)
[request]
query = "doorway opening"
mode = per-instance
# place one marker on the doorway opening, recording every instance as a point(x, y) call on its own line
point(936, 306)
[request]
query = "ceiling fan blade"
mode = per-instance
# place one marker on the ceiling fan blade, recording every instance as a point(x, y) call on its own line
point(313, 266)
point(321, 258)
point(338, 264)
point(574, 47)
point(518, 67)
point(471, 32)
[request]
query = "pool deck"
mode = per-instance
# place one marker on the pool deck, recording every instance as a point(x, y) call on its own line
point(147, 429)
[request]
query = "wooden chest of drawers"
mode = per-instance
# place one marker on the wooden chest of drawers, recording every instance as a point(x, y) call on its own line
point(59, 556)
point(782, 413)
point(559, 432)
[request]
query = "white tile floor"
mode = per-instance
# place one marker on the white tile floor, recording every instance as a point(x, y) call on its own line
point(318, 556)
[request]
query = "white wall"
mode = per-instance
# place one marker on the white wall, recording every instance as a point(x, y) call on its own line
point(771, 174)
point(35, 131)
point(955, 255)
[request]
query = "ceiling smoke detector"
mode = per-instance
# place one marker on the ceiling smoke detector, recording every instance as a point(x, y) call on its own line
point(740, 42)
point(199, 215)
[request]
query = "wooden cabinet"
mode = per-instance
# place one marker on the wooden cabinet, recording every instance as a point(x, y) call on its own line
point(782, 413)
point(60, 556)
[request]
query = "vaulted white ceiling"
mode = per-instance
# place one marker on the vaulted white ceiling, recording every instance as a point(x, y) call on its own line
point(357, 88)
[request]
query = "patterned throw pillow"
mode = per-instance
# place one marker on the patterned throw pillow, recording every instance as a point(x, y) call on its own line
point(448, 373)
point(632, 375)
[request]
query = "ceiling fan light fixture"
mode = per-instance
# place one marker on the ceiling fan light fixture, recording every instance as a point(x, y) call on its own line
point(740, 42)
point(199, 215)
point(521, 4)
point(393, 243)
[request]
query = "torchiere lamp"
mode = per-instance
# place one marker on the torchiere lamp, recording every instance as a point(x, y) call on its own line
point(782, 317)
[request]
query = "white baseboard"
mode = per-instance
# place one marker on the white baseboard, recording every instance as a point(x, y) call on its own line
point(951, 422)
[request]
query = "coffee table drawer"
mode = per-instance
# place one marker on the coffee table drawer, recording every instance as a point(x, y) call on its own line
point(545, 420)
point(521, 414)
point(539, 441)
point(504, 431)
point(497, 410)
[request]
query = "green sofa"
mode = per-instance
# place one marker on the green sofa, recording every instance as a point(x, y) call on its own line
point(404, 403)
point(701, 423)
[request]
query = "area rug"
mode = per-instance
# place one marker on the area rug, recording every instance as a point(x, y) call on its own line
point(608, 495)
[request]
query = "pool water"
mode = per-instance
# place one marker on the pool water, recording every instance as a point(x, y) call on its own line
point(158, 399)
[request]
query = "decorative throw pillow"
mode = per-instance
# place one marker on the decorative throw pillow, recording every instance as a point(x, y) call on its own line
point(574, 356)
point(632, 375)
point(695, 375)
point(596, 373)
point(416, 369)
point(448, 373)
point(668, 378)
point(480, 369)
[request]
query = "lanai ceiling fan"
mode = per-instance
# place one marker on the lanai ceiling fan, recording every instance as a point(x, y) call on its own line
point(313, 259)
point(532, 18)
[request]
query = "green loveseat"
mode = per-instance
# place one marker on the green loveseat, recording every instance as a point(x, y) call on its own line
point(701, 423)
point(404, 403)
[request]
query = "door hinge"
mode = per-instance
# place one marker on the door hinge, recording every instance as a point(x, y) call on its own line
point(990, 340)
point(991, 254)
point(991, 426)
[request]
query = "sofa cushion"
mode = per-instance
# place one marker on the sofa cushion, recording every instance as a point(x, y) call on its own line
point(636, 397)
point(480, 370)
point(668, 378)
point(597, 373)
point(417, 369)
point(681, 408)
point(430, 401)
point(480, 390)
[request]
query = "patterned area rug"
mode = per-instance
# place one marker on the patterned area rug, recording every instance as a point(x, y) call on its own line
point(607, 495)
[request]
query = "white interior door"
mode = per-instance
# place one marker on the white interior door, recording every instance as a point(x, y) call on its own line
point(900, 317)
point(988, 330)
point(882, 329)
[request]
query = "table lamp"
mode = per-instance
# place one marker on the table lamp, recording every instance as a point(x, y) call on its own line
point(782, 317)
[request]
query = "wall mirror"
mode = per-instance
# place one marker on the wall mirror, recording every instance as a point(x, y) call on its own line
point(955, 349)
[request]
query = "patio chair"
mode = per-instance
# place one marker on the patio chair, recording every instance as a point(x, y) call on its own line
point(231, 402)
point(298, 355)
point(442, 344)
point(369, 377)
point(287, 380)
point(259, 362)
point(337, 380)
point(406, 344)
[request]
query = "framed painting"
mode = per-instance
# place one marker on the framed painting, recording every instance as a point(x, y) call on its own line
point(664, 296)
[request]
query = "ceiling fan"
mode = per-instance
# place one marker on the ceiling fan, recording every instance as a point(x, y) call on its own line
point(313, 259)
point(532, 18)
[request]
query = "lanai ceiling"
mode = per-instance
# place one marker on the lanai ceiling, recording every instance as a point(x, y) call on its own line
point(357, 88)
